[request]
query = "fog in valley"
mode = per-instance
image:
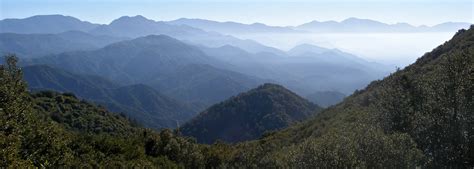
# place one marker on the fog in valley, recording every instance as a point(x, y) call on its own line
point(391, 49)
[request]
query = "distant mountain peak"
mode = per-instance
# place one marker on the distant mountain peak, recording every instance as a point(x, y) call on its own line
point(307, 48)
point(45, 24)
point(307, 45)
point(271, 85)
point(258, 24)
point(132, 19)
point(50, 16)
point(353, 20)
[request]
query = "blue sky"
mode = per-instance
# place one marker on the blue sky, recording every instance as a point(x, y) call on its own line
point(276, 12)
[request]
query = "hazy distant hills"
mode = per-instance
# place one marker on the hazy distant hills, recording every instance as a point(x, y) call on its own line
point(231, 27)
point(168, 65)
point(204, 85)
point(205, 31)
point(139, 102)
point(192, 66)
point(367, 25)
point(45, 24)
point(138, 26)
point(132, 60)
point(248, 115)
point(304, 69)
point(35, 45)
point(347, 25)
point(153, 60)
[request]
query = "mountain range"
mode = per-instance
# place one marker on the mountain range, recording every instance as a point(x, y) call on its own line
point(164, 63)
point(45, 24)
point(231, 27)
point(348, 25)
point(419, 116)
point(187, 77)
point(367, 26)
point(139, 102)
point(189, 29)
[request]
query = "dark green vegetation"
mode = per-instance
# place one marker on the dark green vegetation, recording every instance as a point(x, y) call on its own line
point(139, 102)
point(419, 116)
point(248, 115)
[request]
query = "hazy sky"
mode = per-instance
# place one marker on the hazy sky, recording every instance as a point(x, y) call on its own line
point(276, 12)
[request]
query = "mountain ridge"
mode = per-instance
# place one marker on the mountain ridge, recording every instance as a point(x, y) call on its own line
point(249, 115)
point(138, 102)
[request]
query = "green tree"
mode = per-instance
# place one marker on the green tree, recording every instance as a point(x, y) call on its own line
point(14, 109)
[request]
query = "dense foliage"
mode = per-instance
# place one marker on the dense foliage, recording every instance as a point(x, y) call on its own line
point(266, 108)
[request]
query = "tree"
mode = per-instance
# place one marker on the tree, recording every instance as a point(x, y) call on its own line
point(14, 109)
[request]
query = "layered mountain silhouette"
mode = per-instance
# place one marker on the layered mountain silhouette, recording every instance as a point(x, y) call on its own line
point(168, 65)
point(304, 69)
point(367, 25)
point(138, 26)
point(139, 102)
point(204, 85)
point(247, 116)
point(231, 27)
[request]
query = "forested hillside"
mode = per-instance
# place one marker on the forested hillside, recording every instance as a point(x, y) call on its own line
point(247, 116)
point(419, 116)
point(51, 130)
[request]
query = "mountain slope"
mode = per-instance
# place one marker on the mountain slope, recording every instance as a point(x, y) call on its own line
point(421, 115)
point(132, 60)
point(138, 102)
point(52, 130)
point(306, 48)
point(204, 85)
point(164, 63)
point(88, 117)
point(248, 115)
point(44, 24)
